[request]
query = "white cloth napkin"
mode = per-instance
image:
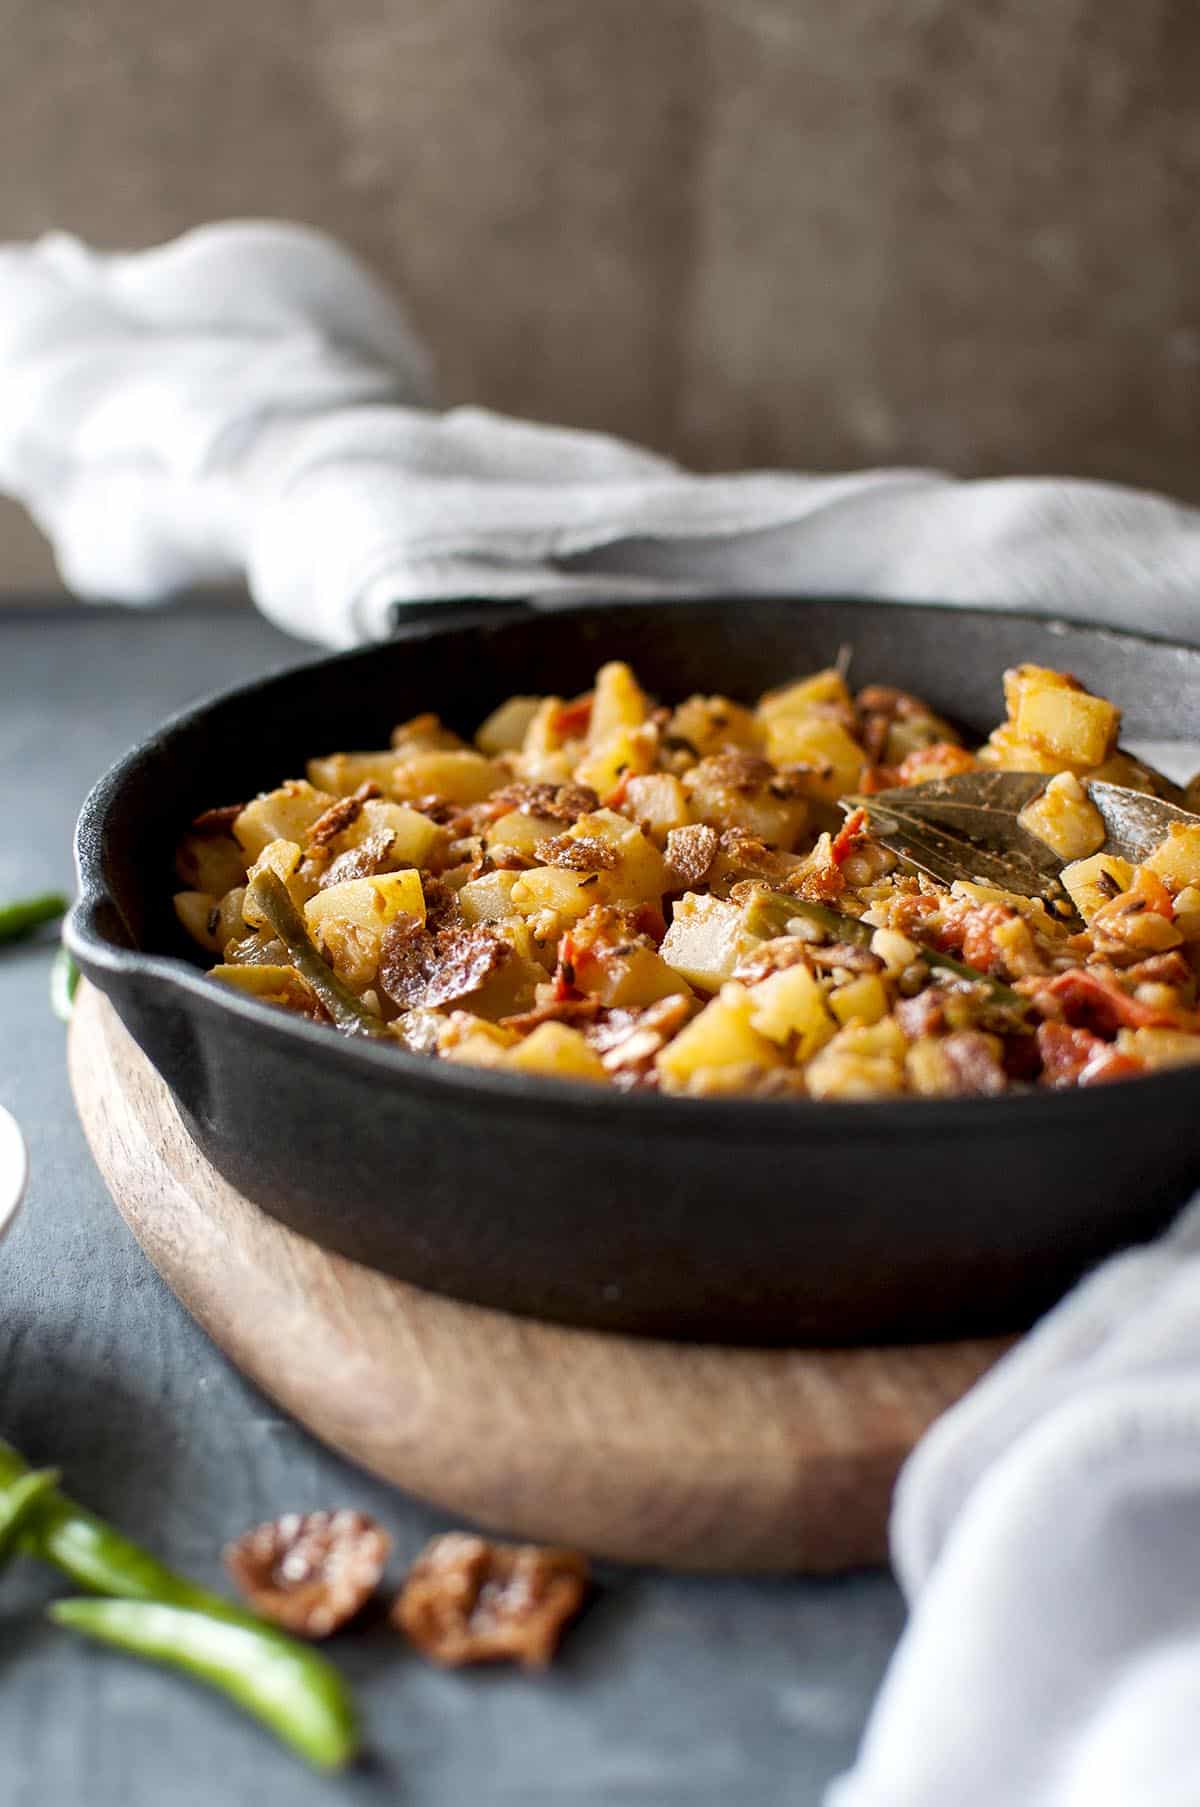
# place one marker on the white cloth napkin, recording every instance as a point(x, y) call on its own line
point(249, 401)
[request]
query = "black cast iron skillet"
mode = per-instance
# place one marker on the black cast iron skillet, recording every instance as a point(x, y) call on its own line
point(749, 1221)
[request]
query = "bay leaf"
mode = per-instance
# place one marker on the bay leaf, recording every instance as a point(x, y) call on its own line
point(966, 827)
point(1136, 823)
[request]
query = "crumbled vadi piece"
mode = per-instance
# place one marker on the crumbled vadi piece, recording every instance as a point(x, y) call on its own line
point(1176, 860)
point(555, 1051)
point(1066, 819)
point(722, 1035)
point(285, 814)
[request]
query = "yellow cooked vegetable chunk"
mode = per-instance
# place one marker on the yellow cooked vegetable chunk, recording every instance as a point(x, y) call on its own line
point(706, 939)
point(414, 837)
point(792, 1003)
point(285, 814)
point(273, 984)
point(457, 777)
point(199, 914)
point(341, 773)
point(370, 902)
point(1096, 881)
point(210, 862)
point(619, 703)
point(283, 859)
point(657, 801)
point(1177, 859)
point(800, 699)
point(621, 755)
point(825, 745)
point(1068, 724)
point(862, 1061)
point(721, 1036)
point(556, 1051)
point(505, 729)
point(630, 976)
point(710, 723)
point(488, 899)
point(1066, 819)
point(861, 1000)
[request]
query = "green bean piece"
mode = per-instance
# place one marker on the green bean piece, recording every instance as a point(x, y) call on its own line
point(850, 928)
point(64, 982)
point(17, 1503)
point(278, 1681)
point(269, 895)
point(28, 913)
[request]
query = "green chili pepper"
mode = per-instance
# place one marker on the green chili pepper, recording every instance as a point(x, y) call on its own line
point(17, 1503)
point(64, 982)
point(269, 896)
point(300, 1695)
point(26, 914)
point(850, 928)
point(276, 1680)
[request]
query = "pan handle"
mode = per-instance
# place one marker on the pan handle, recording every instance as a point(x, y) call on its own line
point(458, 611)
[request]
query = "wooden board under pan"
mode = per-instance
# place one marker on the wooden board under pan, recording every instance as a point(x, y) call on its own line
point(691, 1456)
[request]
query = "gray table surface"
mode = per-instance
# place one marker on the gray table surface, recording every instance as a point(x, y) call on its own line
point(680, 1691)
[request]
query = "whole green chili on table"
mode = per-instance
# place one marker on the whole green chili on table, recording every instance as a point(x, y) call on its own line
point(272, 1677)
point(169, 1619)
point(25, 914)
point(64, 982)
point(17, 1503)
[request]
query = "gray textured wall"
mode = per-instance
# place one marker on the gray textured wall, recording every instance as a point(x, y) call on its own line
point(747, 231)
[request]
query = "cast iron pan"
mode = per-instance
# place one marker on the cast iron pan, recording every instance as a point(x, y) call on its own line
point(749, 1221)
